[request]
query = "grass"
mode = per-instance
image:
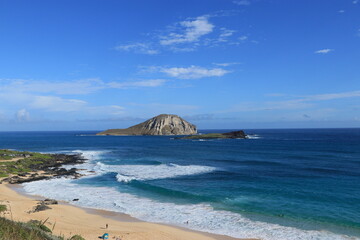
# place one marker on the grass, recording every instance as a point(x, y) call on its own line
point(33, 230)
point(3, 208)
point(10, 230)
point(21, 166)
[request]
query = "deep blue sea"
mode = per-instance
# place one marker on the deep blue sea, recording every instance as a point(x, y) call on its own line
point(280, 184)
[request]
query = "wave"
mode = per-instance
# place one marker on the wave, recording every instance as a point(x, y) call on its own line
point(128, 173)
point(201, 217)
point(90, 155)
point(253, 136)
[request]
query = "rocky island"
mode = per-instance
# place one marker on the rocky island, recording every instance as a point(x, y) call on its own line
point(164, 124)
point(233, 135)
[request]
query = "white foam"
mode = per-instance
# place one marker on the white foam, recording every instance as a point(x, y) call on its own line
point(253, 136)
point(128, 173)
point(199, 216)
point(90, 155)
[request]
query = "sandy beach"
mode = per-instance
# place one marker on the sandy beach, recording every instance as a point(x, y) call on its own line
point(70, 220)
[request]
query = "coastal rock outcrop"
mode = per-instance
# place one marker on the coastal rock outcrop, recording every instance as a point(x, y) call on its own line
point(164, 124)
point(233, 135)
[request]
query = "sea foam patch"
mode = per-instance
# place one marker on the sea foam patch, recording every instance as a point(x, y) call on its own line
point(127, 173)
point(195, 216)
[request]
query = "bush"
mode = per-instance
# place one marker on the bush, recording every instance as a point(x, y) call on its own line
point(3, 208)
point(40, 225)
point(76, 237)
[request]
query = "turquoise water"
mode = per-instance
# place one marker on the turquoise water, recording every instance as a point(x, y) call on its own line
point(288, 184)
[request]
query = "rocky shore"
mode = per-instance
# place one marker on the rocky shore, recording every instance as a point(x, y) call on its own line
point(35, 166)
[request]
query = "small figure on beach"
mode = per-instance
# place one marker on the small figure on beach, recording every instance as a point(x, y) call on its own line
point(106, 226)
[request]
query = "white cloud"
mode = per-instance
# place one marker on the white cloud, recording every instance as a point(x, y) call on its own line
point(331, 96)
point(137, 48)
point(151, 109)
point(57, 104)
point(190, 31)
point(341, 11)
point(193, 72)
point(226, 64)
point(83, 86)
point(242, 2)
point(225, 34)
point(22, 115)
point(355, 1)
point(324, 51)
point(302, 102)
point(243, 38)
point(185, 36)
point(145, 83)
point(112, 110)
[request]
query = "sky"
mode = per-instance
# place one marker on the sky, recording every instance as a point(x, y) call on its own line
point(220, 64)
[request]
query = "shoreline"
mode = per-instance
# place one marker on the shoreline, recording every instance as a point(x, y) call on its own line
point(90, 223)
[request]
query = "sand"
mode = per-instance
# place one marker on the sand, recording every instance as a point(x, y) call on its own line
point(70, 220)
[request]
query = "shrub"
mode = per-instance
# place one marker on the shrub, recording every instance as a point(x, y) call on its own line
point(76, 237)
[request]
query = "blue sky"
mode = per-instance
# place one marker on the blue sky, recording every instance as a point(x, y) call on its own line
point(93, 65)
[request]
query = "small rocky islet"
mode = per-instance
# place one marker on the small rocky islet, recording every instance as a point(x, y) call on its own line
point(229, 135)
point(163, 124)
point(168, 125)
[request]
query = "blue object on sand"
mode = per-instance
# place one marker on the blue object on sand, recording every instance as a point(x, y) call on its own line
point(105, 236)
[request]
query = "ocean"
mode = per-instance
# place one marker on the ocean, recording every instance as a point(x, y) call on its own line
point(279, 184)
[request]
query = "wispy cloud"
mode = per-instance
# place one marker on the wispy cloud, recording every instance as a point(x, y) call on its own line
point(137, 48)
point(324, 51)
point(185, 36)
point(193, 72)
point(144, 83)
point(22, 115)
point(188, 31)
point(225, 34)
point(226, 64)
point(302, 102)
point(355, 2)
point(243, 38)
point(331, 96)
point(76, 87)
point(57, 104)
point(151, 109)
point(242, 2)
point(83, 86)
point(49, 97)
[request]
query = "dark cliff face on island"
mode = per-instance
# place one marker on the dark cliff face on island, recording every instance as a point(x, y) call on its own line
point(164, 124)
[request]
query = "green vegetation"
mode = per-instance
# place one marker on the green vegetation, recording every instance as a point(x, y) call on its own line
point(40, 225)
point(10, 230)
point(76, 237)
point(3, 208)
point(33, 230)
point(23, 165)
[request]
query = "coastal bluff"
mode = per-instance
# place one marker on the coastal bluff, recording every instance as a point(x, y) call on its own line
point(164, 124)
